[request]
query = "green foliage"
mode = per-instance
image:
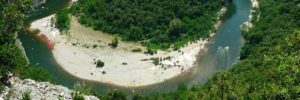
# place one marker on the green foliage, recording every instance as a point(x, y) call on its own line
point(157, 24)
point(63, 20)
point(155, 61)
point(99, 64)
point(269, 66)
point(26, 96)
point(81, 88)
point(11, 58)
point(150, 51)
point(2, 88)
point(138, 97)
point(33, 72)
point(137, 50)
point(116, 95)
point(114, 43)
point(231, 9)
point(77, 96)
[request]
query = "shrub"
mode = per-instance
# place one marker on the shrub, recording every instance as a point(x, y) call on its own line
point(63, 20)
point(26, 96)
point(114, 43)
point(99, 63)
point(150, 51)
point(77, 96)
point(136, 50)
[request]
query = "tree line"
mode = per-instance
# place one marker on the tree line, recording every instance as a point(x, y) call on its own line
point(157, 24)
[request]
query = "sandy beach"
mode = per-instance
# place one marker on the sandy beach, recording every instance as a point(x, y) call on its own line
point(78, 51)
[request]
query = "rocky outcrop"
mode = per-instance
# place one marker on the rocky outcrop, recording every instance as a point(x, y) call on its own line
point(38, 91)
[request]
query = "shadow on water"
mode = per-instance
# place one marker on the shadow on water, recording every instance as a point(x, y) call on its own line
point(223, 51)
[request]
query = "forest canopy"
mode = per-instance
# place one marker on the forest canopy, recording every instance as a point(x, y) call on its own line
point(11, 58)
point(155, 23)
point(269, 66)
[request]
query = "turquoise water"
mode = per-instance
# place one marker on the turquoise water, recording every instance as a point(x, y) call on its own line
point(223, 51)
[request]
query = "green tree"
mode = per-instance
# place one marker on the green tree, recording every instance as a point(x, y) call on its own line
point(63, 20)
point(116, 95)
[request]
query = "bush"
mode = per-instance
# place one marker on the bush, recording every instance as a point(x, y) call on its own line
point(137, 50)
point(116, 95)
point(77, 96)
point(63, 20)
point(114, 43)
point(100, 63)
point(26, 96)
point(150, 51)
point(155, 61)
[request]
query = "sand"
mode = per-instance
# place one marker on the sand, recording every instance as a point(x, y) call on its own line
point(47, 27)
point(75, 53)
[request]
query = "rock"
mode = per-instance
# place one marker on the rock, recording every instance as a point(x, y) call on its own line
point(38, 91)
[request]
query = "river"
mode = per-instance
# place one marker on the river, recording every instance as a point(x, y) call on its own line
point(222, 52)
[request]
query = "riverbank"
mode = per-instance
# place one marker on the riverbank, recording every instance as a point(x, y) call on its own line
point(78, 51)
point(252, 17)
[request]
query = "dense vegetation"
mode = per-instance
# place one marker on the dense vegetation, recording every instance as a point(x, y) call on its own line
point(154, 23)
point(270, 61)
point(11, 58)
point(269, 66)
point(63, 20)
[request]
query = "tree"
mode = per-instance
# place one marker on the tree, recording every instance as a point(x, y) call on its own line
point(63, 20)
point(100, 63)
point(141, 20)
point(175, 27)
point(116, 95)
point(114, 43)
point(11, 19)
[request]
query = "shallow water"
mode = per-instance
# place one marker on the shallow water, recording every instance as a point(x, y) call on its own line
point(223, 51)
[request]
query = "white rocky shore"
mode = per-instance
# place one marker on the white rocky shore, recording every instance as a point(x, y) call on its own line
point(248, 25)
point(38, 91)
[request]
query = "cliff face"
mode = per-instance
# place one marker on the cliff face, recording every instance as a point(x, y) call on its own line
point(38, 91)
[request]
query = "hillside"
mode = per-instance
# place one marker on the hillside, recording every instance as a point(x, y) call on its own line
point(269, 66)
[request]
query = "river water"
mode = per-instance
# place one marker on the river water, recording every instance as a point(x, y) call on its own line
point(222, 52)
